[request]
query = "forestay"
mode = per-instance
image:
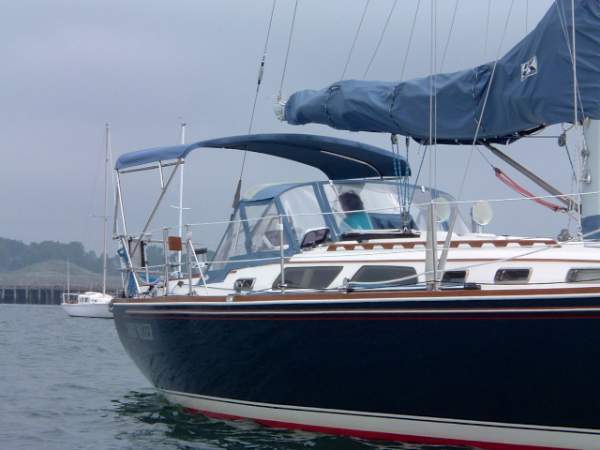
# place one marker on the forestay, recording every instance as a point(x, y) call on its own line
point(530, 87)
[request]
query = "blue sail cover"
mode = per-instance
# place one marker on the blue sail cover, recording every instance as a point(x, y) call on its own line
point(532, 87)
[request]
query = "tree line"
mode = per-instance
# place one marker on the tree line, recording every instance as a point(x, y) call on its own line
point(15, 255)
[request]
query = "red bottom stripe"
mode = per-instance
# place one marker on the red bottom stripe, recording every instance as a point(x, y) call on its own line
point(372, 435)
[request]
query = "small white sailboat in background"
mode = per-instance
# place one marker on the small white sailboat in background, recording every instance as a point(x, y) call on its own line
point(93, 304)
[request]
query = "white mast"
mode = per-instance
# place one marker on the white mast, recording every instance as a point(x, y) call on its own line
point(590, 203)
point(68, 277)
point(105, 213)
point(183, 125)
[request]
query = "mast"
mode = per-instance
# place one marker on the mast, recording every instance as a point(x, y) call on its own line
point(183, 125)
point(68, 277)
point(105, 212)
point(590, 203)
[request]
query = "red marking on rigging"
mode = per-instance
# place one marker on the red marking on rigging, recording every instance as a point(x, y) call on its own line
point(524, 192)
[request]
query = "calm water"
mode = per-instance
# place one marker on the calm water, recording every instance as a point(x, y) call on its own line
point(67, 383)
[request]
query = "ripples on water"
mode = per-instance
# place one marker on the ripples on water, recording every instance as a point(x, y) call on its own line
point(67, 383)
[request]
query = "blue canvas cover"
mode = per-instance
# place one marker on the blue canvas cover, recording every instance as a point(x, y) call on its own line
point(532, 87)
point(339, 159)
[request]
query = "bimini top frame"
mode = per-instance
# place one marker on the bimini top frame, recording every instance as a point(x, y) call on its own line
point(338, 159)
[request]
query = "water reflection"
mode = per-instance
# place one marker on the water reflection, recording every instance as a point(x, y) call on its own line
point(192, 431)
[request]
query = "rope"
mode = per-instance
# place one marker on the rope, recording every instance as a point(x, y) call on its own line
point(381, 36)
point(287, 52)
point(360, 23)
point(524, 192)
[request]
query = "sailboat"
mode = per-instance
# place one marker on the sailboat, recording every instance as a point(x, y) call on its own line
point(364, 305)
point(94, 304)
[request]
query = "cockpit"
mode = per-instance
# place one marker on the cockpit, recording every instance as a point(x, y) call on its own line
point(337, 209)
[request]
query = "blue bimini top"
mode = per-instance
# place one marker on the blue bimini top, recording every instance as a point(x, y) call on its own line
point(339, 159)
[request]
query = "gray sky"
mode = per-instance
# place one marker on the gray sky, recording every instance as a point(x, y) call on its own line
point(70, 66)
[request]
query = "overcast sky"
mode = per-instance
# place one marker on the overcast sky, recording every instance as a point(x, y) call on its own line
point(70, 66)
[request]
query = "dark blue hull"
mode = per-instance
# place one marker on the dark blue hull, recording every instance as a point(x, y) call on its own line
point(528, 361)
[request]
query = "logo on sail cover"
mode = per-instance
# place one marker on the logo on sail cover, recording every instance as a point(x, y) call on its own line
point(529, 68)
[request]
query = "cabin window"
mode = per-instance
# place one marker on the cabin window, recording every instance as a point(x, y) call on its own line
point(309, 277)
point(454, 277)
point(512, 276)
point(583, 276)
point(374, 274)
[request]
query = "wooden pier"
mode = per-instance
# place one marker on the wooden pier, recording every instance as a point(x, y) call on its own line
point(49, 295)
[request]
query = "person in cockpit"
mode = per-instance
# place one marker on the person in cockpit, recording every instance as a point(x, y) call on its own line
point(355, 216)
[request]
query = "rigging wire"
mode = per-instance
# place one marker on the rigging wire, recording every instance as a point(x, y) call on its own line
point(526, 16)
point(575, 107)
point(577, 101)
point(410, 39)
point(381, 36)
point(287, 52)
point(561, 15)
point(452, 22)
point(432, 90)
point(499, 174)
point(563, 23)
point(487, 29)
point(356, 34)
point(441, 68)
point(261, 70)
point(483, 108)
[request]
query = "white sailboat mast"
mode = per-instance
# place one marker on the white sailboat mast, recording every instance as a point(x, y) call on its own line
point(105, 212)
point(68, 277)
point(590, 203)
point(183, 125)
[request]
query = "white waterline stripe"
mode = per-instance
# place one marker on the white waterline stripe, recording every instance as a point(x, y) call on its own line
point(382, 415)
